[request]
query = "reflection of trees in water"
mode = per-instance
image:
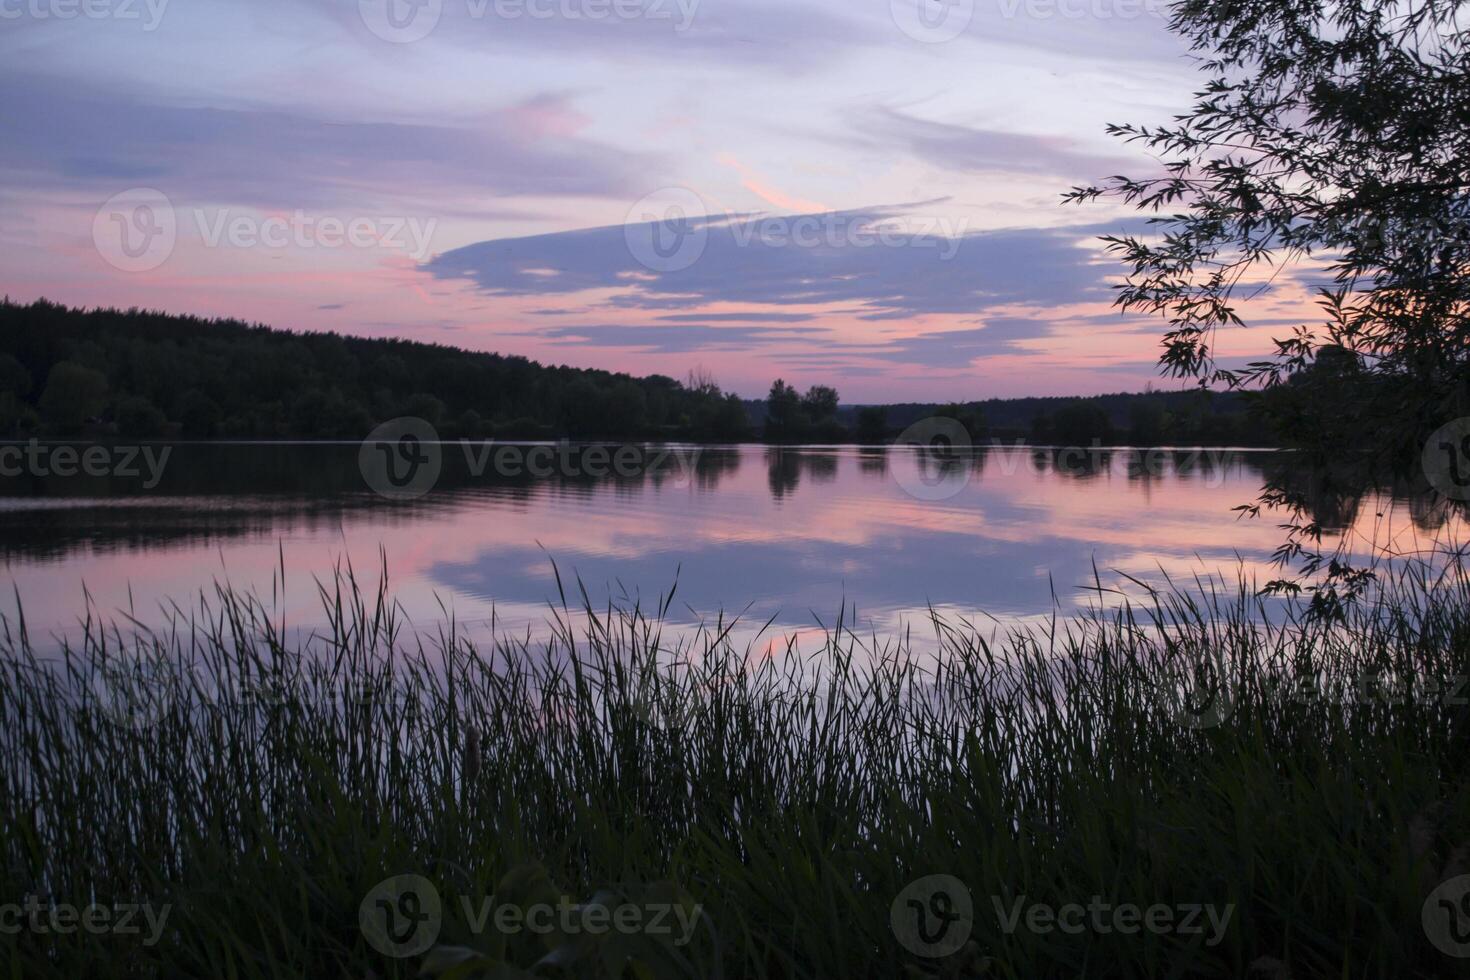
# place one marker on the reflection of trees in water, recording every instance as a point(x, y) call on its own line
point(938, 464)
point(320, 470)
point(1323, 498)
point(713, 465)
point(1211, 466)
point(213, 492)
point(61, 532)
point(1075, 462)
point(1330, 496)
point(786, 467)
point(1430, 512)
point(822, 467)
point(783, 471)
point(873, 460)
point(1321, 495)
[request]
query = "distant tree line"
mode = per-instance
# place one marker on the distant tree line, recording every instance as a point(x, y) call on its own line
point(143, 374)
point(1143, 420)
point(1152, 418)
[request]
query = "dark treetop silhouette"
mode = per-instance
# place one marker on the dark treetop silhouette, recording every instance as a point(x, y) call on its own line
point(1333, 138)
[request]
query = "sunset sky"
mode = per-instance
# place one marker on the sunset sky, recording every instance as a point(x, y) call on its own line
point(863, 193)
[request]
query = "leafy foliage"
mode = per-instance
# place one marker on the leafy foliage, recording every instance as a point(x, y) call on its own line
point(811, 417)
point(1330, 139)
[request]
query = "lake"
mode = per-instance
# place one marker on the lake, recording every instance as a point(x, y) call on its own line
point(796, 536)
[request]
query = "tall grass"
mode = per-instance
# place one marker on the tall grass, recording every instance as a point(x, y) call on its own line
point(1168, 750)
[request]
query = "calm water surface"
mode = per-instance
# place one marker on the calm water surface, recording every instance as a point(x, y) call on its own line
point(794, 535)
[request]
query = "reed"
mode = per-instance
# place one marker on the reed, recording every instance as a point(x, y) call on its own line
point(1194, 746)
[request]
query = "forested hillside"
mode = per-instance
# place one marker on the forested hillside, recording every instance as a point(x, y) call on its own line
point(143, 374)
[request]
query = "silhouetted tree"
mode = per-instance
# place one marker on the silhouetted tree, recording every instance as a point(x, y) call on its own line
point(1333, 134)
point(139, 418)
point(1148, 424)
point(199, 415)
point(1077, 423)
point(971, 416)
point(819, 404)
point(783, 413)
point(73, 395)
point(14, 378)
point(872, 424)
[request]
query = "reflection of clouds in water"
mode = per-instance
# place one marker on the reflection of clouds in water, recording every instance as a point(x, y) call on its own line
point(796, 534)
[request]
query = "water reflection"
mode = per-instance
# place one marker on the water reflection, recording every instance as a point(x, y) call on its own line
point(793, 533)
